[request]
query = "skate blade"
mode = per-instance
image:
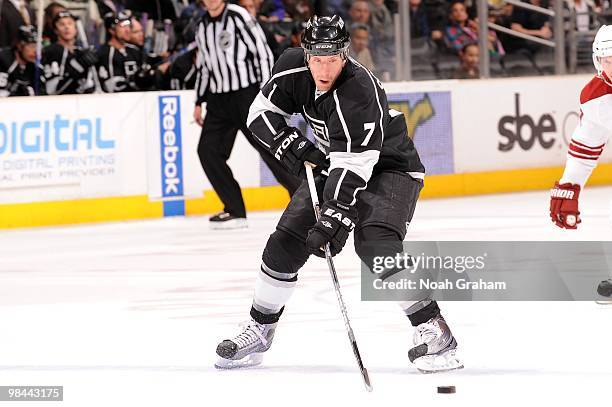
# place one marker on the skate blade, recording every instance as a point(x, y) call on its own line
point(251, 360)
point(230, 224)
point(441, 370)
point(438, 363)
point(604, 302)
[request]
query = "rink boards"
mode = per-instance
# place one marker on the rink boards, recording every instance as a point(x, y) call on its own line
point(133, 155)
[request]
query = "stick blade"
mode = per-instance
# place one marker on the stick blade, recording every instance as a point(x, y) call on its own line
point(366, 379)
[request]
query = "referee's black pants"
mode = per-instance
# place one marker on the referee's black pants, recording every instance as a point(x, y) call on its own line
point(226, 113)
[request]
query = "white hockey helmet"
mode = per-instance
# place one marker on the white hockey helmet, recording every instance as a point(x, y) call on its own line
point(602, 46)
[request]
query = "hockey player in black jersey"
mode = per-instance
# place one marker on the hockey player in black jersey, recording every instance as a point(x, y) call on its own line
point(182, 72)
point(68, 67)
point(18, 66)
point(121, 66)
point(369, 177)
point(179, 73)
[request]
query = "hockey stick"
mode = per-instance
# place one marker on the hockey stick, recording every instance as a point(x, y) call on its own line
point(39, 26)
point(334, 276)
point(85, 44)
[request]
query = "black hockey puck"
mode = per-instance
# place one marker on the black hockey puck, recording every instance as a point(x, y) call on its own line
point(605, 288)
point(446, 389)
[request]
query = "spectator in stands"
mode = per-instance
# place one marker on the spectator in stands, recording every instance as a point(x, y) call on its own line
point(528, 22)
point(437, 18)
point(462, 31)
point(296, 34)
point(392, 6)
point(360, 37)
point(272, 11)
point(601, 6)
point(583, 10)
point(300, 10)
point(469, 57)
point(382, 34)
point(275, 39)
point(381, 21)
point(359, 13)
point(420, 24)
point(185, 27)
point(337, 7)
point(13, 14)
point(49, 35)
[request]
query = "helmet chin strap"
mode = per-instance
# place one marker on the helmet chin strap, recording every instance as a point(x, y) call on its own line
point(22, 60)
point(600, 72)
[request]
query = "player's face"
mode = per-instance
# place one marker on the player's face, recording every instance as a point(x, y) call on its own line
point(123, 31)
point(606, 64)
point(28, 51)
point(65, 28)
point(137, 37)
point(325, 70)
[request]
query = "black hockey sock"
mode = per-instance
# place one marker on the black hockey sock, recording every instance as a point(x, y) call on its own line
point(426, 313)
point(262, 318)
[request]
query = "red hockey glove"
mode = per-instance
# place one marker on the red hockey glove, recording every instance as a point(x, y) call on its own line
point(564, 205)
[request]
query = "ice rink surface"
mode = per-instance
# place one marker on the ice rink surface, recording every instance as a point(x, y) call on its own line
point(129, 314)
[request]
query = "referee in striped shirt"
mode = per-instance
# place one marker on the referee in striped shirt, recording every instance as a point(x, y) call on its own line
point(233, 62)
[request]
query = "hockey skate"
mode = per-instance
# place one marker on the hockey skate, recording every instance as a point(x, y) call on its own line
point(226, 221)
point(247, 348)
point(434, 347)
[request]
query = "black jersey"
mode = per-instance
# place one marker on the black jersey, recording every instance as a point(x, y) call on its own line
point(183, 71)
point(351, 123)
point(64, 74)
point(117, 68)
point(16, 79)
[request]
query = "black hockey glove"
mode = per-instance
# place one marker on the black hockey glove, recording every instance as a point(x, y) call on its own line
point(145, 77)
point(86, 57)
point(78, 66)
point(292, 149)
point(21, 88)
point(153, 59)
point(336, 222)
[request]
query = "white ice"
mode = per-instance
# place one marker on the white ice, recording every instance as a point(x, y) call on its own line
point(129, 314)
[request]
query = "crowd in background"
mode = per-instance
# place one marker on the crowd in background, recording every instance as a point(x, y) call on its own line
point(157, 38)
